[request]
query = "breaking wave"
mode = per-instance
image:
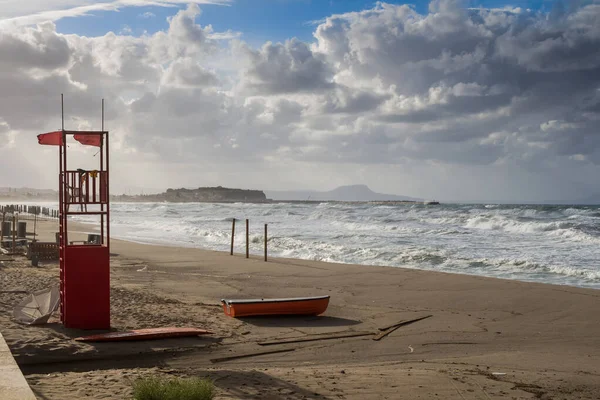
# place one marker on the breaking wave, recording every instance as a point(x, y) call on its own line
point(552, 244)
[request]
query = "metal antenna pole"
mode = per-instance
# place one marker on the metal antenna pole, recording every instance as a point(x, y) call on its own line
point(101, 172)
point(62, 111)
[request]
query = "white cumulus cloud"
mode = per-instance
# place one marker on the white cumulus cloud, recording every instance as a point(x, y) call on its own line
point(19, 13)
point(441, 105)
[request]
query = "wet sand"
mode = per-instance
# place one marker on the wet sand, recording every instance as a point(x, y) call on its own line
point(487, 338)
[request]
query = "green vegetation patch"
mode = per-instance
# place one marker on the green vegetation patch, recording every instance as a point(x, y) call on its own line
point(154, 388)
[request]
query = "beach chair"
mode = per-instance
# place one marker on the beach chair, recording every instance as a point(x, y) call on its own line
point(46, 251)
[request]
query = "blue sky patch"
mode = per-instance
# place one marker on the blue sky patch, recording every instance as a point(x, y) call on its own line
point(258, 20)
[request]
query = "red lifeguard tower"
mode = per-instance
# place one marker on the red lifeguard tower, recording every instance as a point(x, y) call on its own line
point(84, 265)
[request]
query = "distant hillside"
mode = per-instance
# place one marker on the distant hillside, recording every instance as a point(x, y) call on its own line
point(221, 194)
point(203, 194)
point(342, 193)
point(593, 199)
point(27, 194)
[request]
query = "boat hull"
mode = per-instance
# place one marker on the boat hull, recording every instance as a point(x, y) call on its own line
point(287, 306)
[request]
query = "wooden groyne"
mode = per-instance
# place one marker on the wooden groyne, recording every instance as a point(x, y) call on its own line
point(26, 212)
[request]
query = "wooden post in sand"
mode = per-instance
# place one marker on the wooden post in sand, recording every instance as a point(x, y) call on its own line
point(247, 243)
point(14, 232)
point(232, 236)
point(2, 233)
point(34, 227)
point(265, 242)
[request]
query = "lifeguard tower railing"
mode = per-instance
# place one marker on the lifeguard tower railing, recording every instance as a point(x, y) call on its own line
point(86, 187)
point(82, 188)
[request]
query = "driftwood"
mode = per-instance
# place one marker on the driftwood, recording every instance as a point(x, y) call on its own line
point(348, 334)
point(389, 329)
point(439, 343)
point(262, 353)
point(404, 322)
point(315, 338)
point(383, 334)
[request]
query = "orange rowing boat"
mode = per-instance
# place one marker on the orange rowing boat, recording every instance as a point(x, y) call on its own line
point(289, 306)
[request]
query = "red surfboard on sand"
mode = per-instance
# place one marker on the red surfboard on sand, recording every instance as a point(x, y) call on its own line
point(143, 334)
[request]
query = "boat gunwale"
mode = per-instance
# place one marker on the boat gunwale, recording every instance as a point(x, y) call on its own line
point(281, 300)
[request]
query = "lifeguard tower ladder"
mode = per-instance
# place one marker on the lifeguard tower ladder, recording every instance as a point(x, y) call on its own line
point(84, 265)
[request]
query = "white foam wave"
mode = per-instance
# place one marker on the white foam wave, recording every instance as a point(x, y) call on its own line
point(547, 244)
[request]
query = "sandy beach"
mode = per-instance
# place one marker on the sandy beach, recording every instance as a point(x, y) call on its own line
point(486, 339)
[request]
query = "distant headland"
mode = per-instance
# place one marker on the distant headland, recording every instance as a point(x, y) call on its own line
point(220, 194)
point(216, 194)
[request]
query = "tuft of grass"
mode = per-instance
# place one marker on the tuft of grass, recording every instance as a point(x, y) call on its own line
point(154, 388)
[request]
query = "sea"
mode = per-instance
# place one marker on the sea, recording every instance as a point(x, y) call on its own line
point(537, 243)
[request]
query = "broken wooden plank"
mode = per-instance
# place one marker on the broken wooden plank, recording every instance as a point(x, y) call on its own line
point(386, 331)
point(261, 353)
point(315, 338)
point(404, 322)
point(383, 334)
point(436, 343)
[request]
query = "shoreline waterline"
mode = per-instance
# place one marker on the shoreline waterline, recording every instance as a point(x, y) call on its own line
point(547, 244)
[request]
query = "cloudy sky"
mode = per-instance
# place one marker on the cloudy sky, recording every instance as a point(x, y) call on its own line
point(446, 99)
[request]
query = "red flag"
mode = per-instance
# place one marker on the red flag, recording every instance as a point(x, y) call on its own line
point(89, 139)
point(51, 138)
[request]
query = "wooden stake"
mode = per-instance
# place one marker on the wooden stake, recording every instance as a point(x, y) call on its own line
point(232, 236)
point(34, 226)
point(2, 233)
point(14, 232)
point(265, 242)
point(247, 235)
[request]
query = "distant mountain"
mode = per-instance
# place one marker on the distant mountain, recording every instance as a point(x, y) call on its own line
point(342, 193)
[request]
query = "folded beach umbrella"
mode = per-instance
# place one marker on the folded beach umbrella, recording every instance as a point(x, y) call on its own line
point(37, 307)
